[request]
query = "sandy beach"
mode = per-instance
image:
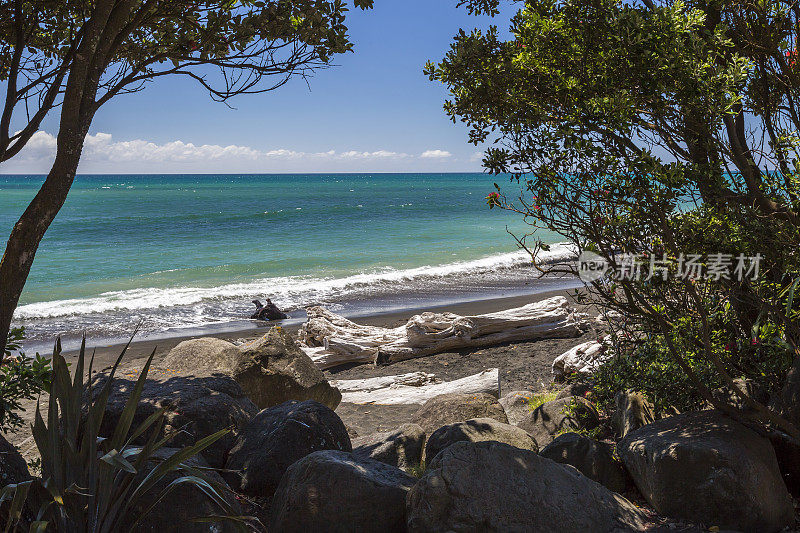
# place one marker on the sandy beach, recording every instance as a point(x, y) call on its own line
point(522, 366)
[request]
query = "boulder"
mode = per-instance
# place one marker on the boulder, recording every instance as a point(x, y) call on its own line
point(206, 354)
point(13, 468)
point(450, 408)
point(788, 401)
point(197, 405)
point(592, 458)
point(579, 388)
point(401, 448)
point(516, 405)
point(273, 370)
point(277, 437)
point(337, 491)
point(478, 430)
point(705, 467)
point(632, 412)
point(559, 416)
point(175, 512)
point(490, 486)
point(749, 387)
point(270, 370)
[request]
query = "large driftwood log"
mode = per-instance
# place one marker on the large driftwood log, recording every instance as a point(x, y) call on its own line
point(330, 339)
point(584, 359)
point(413, 388)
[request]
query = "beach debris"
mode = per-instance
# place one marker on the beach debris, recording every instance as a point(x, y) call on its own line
point(584, 359)
point(413, 388)
point(330, 339)
point(267, 312)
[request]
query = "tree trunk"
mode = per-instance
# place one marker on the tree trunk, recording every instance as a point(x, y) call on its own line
point(31, 227)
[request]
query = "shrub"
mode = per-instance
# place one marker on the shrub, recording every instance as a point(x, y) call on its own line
point(21, 378)
point(91, 483)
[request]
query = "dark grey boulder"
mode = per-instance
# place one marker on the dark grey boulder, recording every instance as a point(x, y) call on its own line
point(175, 512)
point(197, 405)
point(490, 486)
point(401, 448)
point(339, 492)
point(553, 418)
point(478, 430)
point(277, 437)
point(592, 458)
point(13, 468)
point(450, 408)
point(707, 468)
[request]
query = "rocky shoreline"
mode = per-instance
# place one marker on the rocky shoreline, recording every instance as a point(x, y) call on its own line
point(527, 458)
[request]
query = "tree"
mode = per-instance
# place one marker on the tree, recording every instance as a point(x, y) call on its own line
point(76, 56)
point(652, 134)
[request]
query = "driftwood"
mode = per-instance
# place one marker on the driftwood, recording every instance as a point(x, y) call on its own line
point(330, 339)
point(413, 388)
point(584, 359)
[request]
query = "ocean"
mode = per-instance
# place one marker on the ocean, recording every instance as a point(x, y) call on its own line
point(183, 254)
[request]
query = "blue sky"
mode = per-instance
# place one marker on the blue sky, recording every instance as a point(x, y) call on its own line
point(375, 111)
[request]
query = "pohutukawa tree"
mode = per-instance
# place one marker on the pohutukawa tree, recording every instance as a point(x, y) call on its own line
point(661, 136)
point(71, 57)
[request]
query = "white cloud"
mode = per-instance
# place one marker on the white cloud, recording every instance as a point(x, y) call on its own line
point(435, 154)
point(103, 154)
point(477, 157)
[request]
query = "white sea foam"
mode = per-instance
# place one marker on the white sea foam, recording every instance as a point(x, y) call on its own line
point(291, 292)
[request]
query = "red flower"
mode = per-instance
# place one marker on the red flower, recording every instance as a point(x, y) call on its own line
point(755, 341)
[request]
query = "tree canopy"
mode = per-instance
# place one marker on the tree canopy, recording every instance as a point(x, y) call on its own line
point(660, 131)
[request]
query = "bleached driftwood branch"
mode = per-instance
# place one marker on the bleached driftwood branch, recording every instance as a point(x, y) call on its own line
point(413, 388)
point(583, 359)
point(330, 339)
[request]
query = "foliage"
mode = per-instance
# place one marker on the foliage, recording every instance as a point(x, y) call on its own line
point(417, 470)
point(582, 416)
point(537, 400)
point(92, 483)
point(21, 378)
point(653, 132)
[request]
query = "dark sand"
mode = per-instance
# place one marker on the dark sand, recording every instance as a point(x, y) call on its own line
point(523, 366)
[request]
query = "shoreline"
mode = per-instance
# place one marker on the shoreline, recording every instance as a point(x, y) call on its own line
point(106, 354)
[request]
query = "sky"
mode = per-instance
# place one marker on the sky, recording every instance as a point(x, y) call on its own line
point(373, 112)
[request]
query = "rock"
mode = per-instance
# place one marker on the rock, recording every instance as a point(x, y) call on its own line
point(175, 512)
point(574, 389)
point(789, 399)
point(274, 370)
point(450, 408)
point(559, 416)
point(749, 387)
point(197, 405)
point(592, 458)
point(478, 430)
point(13, 468)
point(516, 405)
point(490, 486)
point(633, 411)
point(705, 467)
point(207, 354)
point(401, 448)
point(279, 436)
point(270, 370)
point(787, 452)
point(337, 491)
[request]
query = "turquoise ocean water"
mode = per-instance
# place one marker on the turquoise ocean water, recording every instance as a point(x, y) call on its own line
point(191, 251)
